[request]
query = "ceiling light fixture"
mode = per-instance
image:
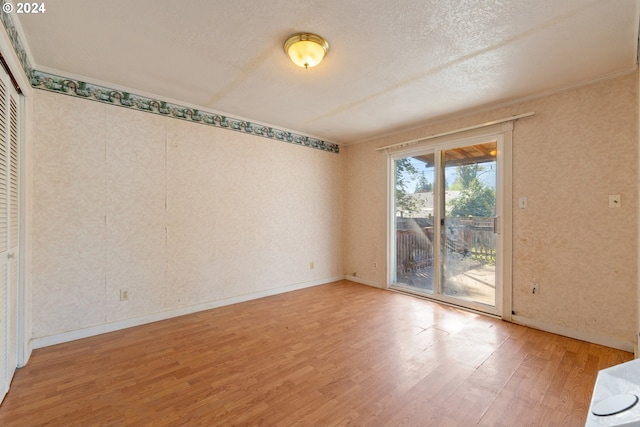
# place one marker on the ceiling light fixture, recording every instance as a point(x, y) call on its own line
point(305, 49)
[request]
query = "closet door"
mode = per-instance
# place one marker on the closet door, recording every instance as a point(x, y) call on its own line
point(9, 126)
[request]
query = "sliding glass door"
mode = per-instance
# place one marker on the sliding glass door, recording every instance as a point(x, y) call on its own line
point(444, 240)
point(414, 218)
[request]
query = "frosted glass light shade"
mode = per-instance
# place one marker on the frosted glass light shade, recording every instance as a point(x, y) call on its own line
point(306, 50)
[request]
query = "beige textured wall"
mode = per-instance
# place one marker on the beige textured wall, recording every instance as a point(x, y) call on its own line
point(580, 147)
point(180, 213)
point(177, 213)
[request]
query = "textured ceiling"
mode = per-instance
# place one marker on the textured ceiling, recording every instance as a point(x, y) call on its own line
point(391, 64)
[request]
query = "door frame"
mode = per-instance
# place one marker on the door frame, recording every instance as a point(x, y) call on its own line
point(502, 133)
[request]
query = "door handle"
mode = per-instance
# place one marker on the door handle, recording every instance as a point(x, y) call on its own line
point(496, 225)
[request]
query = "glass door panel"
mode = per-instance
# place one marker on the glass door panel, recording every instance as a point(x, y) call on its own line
point(414, 202)
point(468, 219)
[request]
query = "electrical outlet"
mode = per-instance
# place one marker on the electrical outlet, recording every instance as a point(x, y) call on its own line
point(375, 265)
point(124, 294)
point(311, 265)
point(535, 288)
point(615, 201)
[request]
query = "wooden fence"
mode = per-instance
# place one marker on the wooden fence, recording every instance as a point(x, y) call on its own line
point(473, 238)
point(414, 249)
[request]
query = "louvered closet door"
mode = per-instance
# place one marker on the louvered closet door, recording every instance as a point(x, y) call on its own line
point(9, 126)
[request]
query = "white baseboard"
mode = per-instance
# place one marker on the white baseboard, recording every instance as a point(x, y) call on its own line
point(591, 337)
point(24, 358)
point(364, 281)
point(136, 321)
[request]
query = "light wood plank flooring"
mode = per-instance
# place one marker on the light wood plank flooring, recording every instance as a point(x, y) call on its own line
point(334, 355)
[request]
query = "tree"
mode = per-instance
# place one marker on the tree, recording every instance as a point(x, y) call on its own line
point(476, 199)
point(406, 204)
point(465, 175)
point(423, 185)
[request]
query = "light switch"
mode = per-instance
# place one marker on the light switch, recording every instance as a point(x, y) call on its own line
point(522, 202)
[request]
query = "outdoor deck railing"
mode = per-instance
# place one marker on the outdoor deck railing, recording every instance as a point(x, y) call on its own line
point(414, 249)
point(470, 238)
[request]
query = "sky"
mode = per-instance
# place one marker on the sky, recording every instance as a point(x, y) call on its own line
point(488, 177)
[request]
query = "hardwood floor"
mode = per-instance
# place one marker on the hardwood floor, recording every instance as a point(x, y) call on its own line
point(333, 355)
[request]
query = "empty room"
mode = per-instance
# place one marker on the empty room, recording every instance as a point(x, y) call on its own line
point(287, 213)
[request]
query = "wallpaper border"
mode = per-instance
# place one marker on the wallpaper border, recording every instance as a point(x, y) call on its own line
point(12, 32)
point(79, 89)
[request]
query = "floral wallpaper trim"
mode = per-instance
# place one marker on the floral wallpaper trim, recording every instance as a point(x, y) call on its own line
point(15, 42)
point(79, 89)
point(72, 87)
